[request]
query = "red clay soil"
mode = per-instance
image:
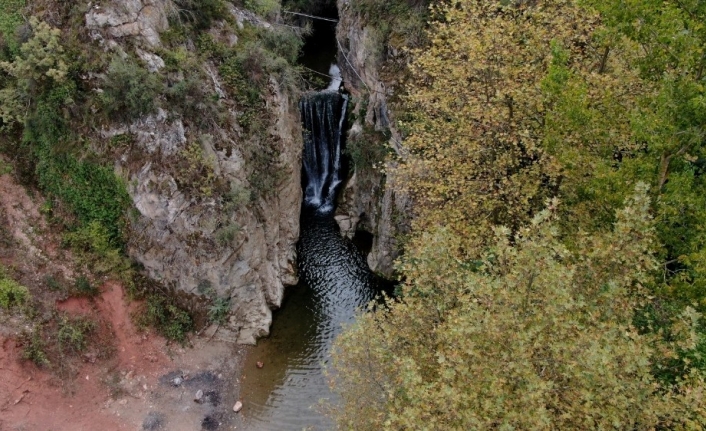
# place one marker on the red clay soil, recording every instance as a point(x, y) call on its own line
point(120, 392)
point(127, 379)
point(31, 399)
point(34, 399)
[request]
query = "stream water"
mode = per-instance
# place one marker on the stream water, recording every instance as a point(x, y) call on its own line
point(291, 390)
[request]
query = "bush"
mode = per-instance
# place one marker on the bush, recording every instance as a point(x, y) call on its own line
point(200, 13)
point(72, 333)
point(237, 197)
point(83, 287)
point(169, 320)
point(219, 310)
point(11, 293)
point(194, 171)
point(367, 149)
point(263, 7)
point(34, 347)
point(129, 90)
point(226, 234)
point(96, 249)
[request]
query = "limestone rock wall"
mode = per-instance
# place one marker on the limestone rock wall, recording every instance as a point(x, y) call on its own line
point(175, 234)
point(371, 201)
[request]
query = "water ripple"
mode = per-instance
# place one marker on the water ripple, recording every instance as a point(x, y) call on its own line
point(335, 284)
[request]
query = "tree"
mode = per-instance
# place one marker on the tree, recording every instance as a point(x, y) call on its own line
point(39, 66)
point(577, 317)
point(636, 111)
point(476, 114)
point(533, 336)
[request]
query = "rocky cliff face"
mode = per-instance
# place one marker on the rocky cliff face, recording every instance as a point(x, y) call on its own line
point(371, 200)
point(239, 247)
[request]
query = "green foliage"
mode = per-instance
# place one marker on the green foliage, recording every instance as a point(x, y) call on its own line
point(226, 234)
point(474, 134)
point(93, 244)
point(170, 320)
point(200, 13)
point(537, 337)
point(84, 287)
point(92, 192)
point(632, 111)
point(195, 102)
point(34, 347)
point(194, 171)
point(10, 20)
point(53, 283)
point(129, 90)
point(398, 23)
point(309, 6)
point(72, 334)
point(5, 168)
point(39, 66)
point(578, 317)
point(265, 175)
point(283, 42)
point(238, 196)
point(11, 292)
point(367, 149)
point(219, 310)
point(263, 7)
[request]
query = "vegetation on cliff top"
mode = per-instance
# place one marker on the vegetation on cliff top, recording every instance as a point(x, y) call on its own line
point(553, 278)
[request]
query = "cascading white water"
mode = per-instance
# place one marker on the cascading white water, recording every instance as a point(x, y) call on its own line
point(323, 116)
point(336, 80)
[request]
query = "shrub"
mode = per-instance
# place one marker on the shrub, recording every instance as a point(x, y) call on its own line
point(194, 171)
point(11, 292)
point(219, 310)
point(84, 287)
point(263, 7)
point(226, 234)
point(169, 320)
point(367, 149)
point(72, 333)
point(129, 90)
point(96, 249)
point(34, 347)
point(237, 197)
point(39, 66)
point(200, 13)
point(10, 20)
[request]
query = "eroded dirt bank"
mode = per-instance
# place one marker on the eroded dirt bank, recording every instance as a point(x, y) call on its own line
point(144, 384)
point(124, 378)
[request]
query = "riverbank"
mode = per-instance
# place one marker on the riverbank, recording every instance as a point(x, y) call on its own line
point(114, 376)
point(146, 384)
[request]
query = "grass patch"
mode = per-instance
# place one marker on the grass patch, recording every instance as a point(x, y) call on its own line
point(95, 248)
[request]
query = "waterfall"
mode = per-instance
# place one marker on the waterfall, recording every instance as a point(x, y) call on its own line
point(323, 115)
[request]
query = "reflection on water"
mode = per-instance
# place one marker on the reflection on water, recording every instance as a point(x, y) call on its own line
point(335, 282)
